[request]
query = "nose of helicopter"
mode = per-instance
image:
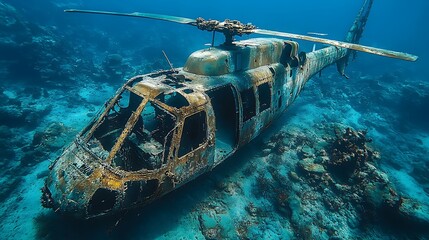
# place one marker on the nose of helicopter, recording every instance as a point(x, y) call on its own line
point(61, 196)
point(70, 189)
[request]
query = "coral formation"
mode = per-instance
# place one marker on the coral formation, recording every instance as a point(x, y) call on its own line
point(343, 175)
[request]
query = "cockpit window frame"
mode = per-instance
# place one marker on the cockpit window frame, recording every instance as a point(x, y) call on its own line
point(88, 132)
point(132, 120)
point(129, 126)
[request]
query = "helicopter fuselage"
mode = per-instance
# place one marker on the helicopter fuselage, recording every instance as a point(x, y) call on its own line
point(163, 129)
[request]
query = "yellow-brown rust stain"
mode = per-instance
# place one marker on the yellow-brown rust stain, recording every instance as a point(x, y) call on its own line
point(112, 182)
point(105, 178)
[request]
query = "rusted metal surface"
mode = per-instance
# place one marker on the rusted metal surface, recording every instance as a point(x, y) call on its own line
point(244, 55)
point(82, 175)
point(177, 124)
point(128, 127)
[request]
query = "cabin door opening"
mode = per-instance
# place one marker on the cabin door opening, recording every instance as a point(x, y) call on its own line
point(225, 107)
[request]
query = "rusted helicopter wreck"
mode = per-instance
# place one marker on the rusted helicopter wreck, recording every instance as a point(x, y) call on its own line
point(164, 129)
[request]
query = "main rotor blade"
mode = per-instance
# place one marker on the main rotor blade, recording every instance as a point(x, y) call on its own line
point(161, 17)
point(353, 46)
point(189, 21)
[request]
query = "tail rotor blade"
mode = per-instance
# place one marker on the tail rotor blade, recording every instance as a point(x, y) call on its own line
point(357, 47)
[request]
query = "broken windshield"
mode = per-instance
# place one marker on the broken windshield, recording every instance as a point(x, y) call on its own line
point(148, 143)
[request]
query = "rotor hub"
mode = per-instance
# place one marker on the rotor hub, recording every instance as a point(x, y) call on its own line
point(229, 28)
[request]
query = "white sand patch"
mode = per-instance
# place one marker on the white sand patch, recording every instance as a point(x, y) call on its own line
point(96, 94)
point(76, 117)
point(20, 210)
point(407, 185)
point(78, 114)
point(352, 117)
point(308, 115)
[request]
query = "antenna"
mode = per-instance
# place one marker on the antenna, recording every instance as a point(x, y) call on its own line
point(213, 38)
point(168, 60)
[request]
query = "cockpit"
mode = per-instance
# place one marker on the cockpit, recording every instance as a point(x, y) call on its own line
point(136, 134)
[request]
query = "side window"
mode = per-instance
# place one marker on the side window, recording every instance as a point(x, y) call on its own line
point(264, 96)
point(249, 104)
point(194, 133)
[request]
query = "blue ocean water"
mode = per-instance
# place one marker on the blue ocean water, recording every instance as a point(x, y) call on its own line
point(57, 69)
